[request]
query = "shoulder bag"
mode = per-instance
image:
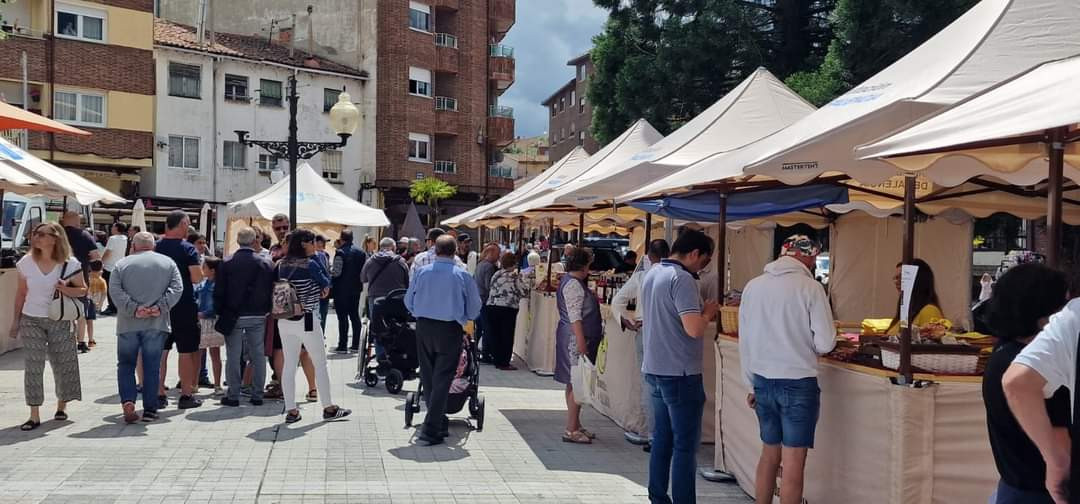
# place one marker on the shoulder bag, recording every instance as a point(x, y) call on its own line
point(62, 306)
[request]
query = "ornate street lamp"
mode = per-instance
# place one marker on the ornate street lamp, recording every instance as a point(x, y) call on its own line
point(344, 117)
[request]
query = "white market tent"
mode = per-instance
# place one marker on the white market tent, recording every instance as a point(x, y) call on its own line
point(48, 179)
point(317, 202)
point(758, 107)
point(993, 41)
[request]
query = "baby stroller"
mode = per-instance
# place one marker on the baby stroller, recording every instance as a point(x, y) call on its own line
point(393, 327)
point(464, 388)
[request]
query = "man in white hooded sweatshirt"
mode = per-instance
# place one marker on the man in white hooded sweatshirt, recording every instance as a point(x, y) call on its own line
point(785, 323)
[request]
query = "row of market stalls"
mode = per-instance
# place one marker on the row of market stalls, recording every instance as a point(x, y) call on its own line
point(978, 120)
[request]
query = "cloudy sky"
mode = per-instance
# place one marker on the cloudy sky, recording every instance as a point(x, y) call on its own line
point(547, 34)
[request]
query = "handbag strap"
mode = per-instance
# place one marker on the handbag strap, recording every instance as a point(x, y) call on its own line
point(383, 268)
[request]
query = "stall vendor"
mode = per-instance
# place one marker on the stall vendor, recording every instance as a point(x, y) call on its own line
point(924, 298)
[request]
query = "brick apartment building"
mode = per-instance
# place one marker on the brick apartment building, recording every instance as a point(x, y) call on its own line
point(437, 69)
point(89, 64)
point(570, 113)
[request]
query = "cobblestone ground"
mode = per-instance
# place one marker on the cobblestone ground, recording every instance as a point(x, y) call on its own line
point(216, 454)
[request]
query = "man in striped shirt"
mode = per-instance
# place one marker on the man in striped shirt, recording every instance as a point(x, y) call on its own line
point(428, 256)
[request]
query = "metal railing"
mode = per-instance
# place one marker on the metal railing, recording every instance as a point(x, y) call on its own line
point(448, 167)
point(16, 136)
point(446, 40)
point(21, 31)
point(500, 171)
point(501, 51)
point(501, 111)
point(446, 103)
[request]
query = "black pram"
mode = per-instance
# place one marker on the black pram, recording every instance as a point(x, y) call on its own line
point(393, 328)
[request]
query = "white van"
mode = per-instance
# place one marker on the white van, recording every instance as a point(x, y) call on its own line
point(21, 214)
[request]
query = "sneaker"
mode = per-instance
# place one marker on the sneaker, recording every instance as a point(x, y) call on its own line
point(245, 390)
point(219, 392)
point(338, 413)
point(163, 401)
point(507, 367)
point(354, 350)
point(188, 402)
point(230, 402)
point(83, 348)
point(341, 350)
point(149, 416)
point(256, 402)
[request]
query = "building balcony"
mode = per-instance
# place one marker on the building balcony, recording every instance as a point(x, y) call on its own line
point(502, 14)
point(499, 170)
point(500, 125)
point(446, 4)
point(445, 167)
point(502, 66)
point(446, 53)
point(446, 116)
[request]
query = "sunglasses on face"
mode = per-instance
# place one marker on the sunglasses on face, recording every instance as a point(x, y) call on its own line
point(45, 233)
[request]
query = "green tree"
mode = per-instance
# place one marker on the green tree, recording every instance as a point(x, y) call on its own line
point(869, 36)
point(430, 191)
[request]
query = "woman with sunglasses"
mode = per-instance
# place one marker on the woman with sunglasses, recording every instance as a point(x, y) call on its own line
point(309, 279)
point(47, 269)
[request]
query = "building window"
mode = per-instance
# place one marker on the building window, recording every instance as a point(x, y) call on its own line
point(562, 103)
point(562, 133)
point(79, 108)
point(184, 80)
point(445, 167)
point(183, 152)
point(419, 147)
point(234, 155)
point(581, 138)
point(420, 82)
point(573, 97)
point(419, 16)
point(236, 88)
point(270, 93)
point(581, 72)
point(331, 165)
point(329, 98)
point(581, 105)
point(553, 110)
point(80, 23)
point(267, 162)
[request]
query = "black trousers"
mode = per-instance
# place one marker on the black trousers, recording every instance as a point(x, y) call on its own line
point(105, 275)
point(438, 347)
point(500, 331)
point(347, 306)
point(487, 343)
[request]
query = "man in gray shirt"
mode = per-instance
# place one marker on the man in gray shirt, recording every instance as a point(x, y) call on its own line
point(674, 321)
point(145, 286)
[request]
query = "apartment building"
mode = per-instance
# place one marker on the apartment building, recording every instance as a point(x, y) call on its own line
point(89, 64)
point(570, 113)
point(437, 69)
point(209, 88)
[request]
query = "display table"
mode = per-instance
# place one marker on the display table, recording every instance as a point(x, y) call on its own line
point(521, 328)
point(540, 346)
point(8, 285)
point(875, 442)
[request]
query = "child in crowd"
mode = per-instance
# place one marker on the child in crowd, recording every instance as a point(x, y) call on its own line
point(211, 339)
point(98, 292)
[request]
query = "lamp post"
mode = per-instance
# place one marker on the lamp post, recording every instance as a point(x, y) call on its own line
point(344, 116)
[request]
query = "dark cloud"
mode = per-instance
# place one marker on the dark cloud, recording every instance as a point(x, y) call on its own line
point(546, 35)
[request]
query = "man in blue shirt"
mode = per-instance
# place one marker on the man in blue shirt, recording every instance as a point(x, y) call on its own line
point(443, 297)
point(674, 320)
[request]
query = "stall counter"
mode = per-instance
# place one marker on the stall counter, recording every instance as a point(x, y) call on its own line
point(875, 441)
point(8, 285)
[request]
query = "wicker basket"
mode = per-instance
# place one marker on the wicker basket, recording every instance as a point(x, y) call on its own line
point(938, 359)
point(729, 320)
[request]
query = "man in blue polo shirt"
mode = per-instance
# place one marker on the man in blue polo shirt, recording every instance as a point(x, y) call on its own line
point(443, 297)
point(674, 321)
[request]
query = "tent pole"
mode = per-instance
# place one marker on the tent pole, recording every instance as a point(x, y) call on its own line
point(1056, 148)
point(648, 231)
point(521, 238)
point(721, 252)
point(581, 229)
point(909, 257)
point(551, 250)
point(14, 239)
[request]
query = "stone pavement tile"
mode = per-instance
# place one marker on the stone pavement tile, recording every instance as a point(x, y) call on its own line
point(247, 455)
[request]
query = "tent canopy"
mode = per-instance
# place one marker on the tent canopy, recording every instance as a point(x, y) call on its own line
point(317, 202)
point(1019, 110)
point(993, 41)
point(758, 107)
point(636, 138)
point(12, 117)
point(705, 207)
point(51, 180)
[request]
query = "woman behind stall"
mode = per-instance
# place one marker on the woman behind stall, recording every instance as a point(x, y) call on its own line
point(508, 286)
point(1021, 304)
point(48, 268)
point(924, 299)
point(579, 333)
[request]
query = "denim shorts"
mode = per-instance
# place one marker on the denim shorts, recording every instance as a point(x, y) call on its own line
point(787, 410)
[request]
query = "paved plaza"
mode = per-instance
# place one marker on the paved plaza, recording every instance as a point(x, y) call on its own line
point(216, 454)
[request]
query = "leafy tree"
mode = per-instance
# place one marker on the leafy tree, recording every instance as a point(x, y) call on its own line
point(430, 191)
point(869, 36)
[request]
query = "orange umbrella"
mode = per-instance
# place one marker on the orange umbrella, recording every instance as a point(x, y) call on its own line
point(12, 117)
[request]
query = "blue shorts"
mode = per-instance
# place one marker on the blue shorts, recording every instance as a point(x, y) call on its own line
point(787, 410)
point(89, 308)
